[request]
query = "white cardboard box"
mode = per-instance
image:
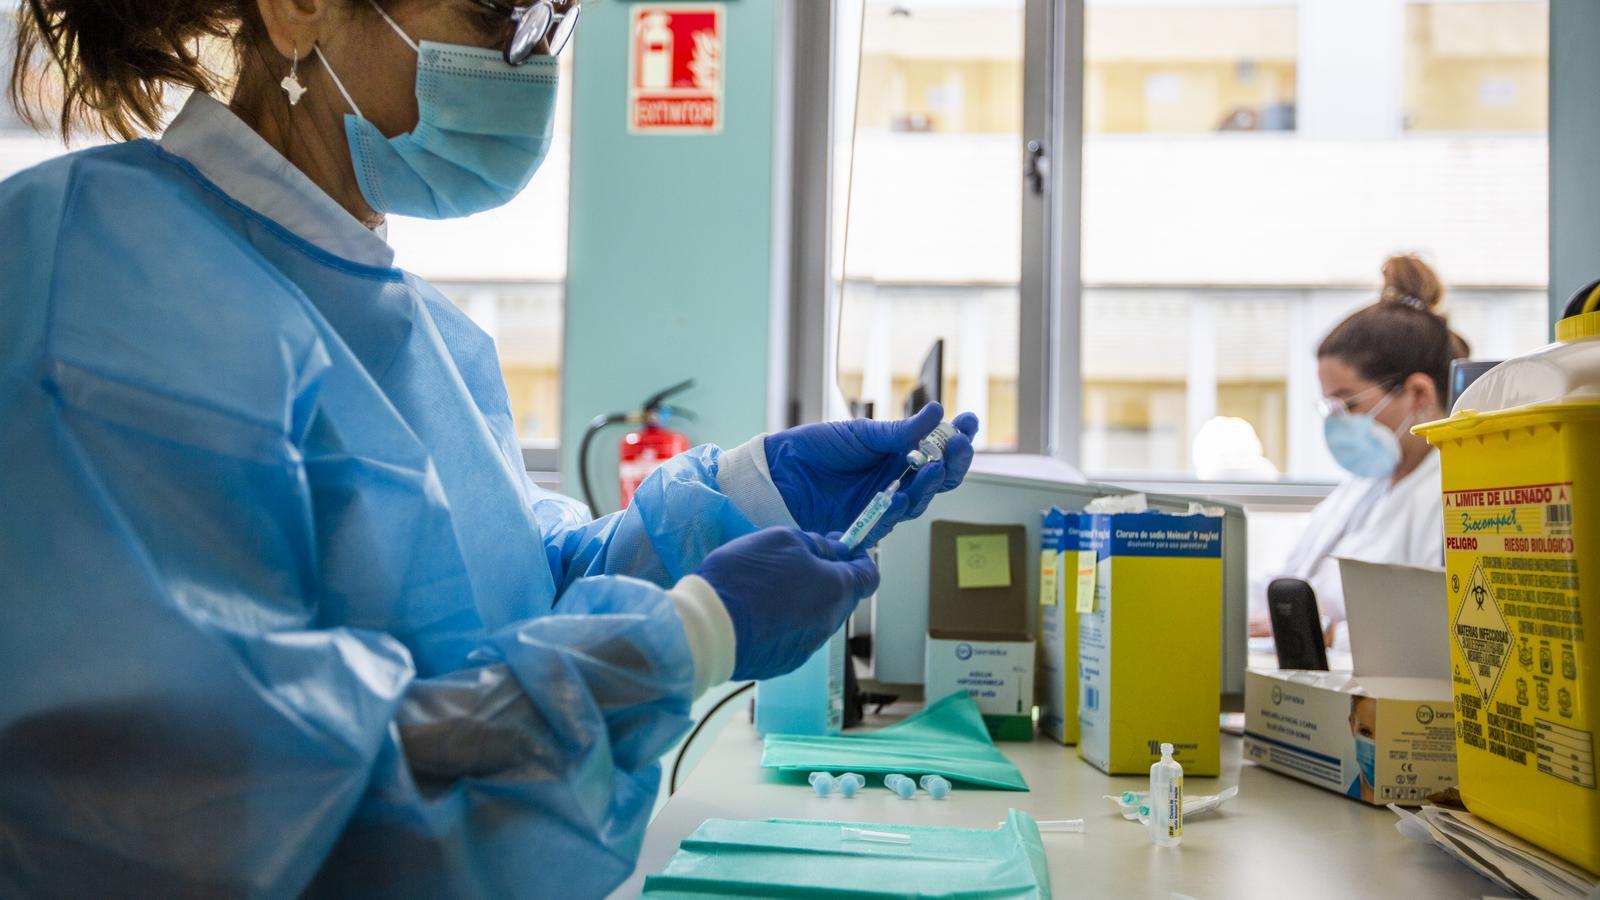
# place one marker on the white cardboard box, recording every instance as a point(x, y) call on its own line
point(1305, 724)
point(998, 675)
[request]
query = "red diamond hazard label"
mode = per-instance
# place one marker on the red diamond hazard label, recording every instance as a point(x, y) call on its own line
point(1482, 633)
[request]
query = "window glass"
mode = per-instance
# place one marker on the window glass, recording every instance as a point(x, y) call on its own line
point(1191, 69)
point(1217, 256)
point(933, 248)
point(1477, 67)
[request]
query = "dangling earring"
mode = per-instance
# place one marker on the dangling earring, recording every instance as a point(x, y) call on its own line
point(291, 82)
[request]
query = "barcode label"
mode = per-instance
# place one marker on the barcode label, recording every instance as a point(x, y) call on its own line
point(1091, 698)
point(1558, 515)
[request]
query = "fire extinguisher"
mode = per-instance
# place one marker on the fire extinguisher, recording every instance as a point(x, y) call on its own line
point(641, 451)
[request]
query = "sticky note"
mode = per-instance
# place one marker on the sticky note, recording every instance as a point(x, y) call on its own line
point(1049, 585)
point(983, 561)
point(1086, 571)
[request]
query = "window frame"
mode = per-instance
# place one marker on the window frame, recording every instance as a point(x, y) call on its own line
point(1050, 370)
point(1050, 385)
point(1048, 378)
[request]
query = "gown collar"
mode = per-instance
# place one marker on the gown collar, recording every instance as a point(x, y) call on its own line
point(236, 159)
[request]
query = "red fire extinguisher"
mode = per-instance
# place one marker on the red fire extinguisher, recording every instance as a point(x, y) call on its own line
point(641, 451)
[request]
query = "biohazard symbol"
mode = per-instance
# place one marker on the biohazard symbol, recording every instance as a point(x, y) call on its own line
point(1481, 633)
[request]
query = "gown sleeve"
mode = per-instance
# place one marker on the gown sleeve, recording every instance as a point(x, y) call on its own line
point(178, 717)
point(174, 719)
point(678, 515)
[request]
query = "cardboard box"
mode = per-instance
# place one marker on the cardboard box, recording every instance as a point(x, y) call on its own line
point(1149, 652)
point(978, 636)
point(1058, 628)
point(1305, 724)
point(998, 675)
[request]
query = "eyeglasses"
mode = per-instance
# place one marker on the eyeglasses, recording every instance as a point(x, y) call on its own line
point(1344, 406)
point(532, 23)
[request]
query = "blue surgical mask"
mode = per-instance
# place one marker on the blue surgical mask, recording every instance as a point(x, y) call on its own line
point(483, 128)
point(1361, 444)
point(1367, 758)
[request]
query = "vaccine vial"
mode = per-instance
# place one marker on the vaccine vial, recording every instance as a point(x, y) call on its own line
point(1166, 800)
point(932, 447)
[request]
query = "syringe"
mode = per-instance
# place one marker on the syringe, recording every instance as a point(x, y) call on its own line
point(869, 517)
point(929, 449)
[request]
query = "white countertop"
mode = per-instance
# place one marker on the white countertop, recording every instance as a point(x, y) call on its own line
point(1278, 838)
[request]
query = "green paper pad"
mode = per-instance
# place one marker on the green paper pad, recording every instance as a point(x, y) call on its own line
point(807, 858)
point(947, 738)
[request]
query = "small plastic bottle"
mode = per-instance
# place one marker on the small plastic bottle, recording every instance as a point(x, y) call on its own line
point(900, 784)
point(1166, 800)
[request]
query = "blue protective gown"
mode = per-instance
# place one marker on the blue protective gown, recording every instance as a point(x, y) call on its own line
point(281, 609)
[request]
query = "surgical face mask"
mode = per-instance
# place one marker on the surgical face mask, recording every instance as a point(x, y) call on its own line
point(1361, 444)
point(1367, 758)
point(483, 128)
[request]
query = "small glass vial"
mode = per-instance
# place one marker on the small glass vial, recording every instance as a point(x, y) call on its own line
point(931, 448)
point(1166, 800)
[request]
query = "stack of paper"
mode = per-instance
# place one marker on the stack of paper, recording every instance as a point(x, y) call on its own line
point(1500, 856)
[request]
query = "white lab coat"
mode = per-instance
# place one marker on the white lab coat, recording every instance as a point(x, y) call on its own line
point(1366, 519)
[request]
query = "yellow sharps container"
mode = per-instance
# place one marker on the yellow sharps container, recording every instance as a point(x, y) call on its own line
point(1521, 460)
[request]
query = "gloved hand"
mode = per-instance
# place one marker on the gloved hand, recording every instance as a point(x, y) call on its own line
point(787, 592)
point(828, 472)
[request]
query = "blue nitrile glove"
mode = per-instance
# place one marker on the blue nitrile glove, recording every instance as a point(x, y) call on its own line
point(828, 472)
point(787, 592)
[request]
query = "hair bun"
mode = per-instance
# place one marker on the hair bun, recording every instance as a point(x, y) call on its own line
point(1412, 283)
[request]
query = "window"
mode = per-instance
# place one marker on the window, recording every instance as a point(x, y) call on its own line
point(1247, 167)
point(1477, 67)
point(1191, 69)
point(934, 223)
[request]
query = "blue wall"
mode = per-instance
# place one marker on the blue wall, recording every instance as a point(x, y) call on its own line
point(1574, 148)
point(671, 245)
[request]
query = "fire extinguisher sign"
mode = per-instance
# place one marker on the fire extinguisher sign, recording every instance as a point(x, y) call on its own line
point(675, 69)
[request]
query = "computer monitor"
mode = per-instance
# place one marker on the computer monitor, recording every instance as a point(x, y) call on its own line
point(930, 381)
point(1463, 372)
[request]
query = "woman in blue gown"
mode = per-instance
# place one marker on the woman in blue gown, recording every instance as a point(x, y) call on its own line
point(282, 611)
